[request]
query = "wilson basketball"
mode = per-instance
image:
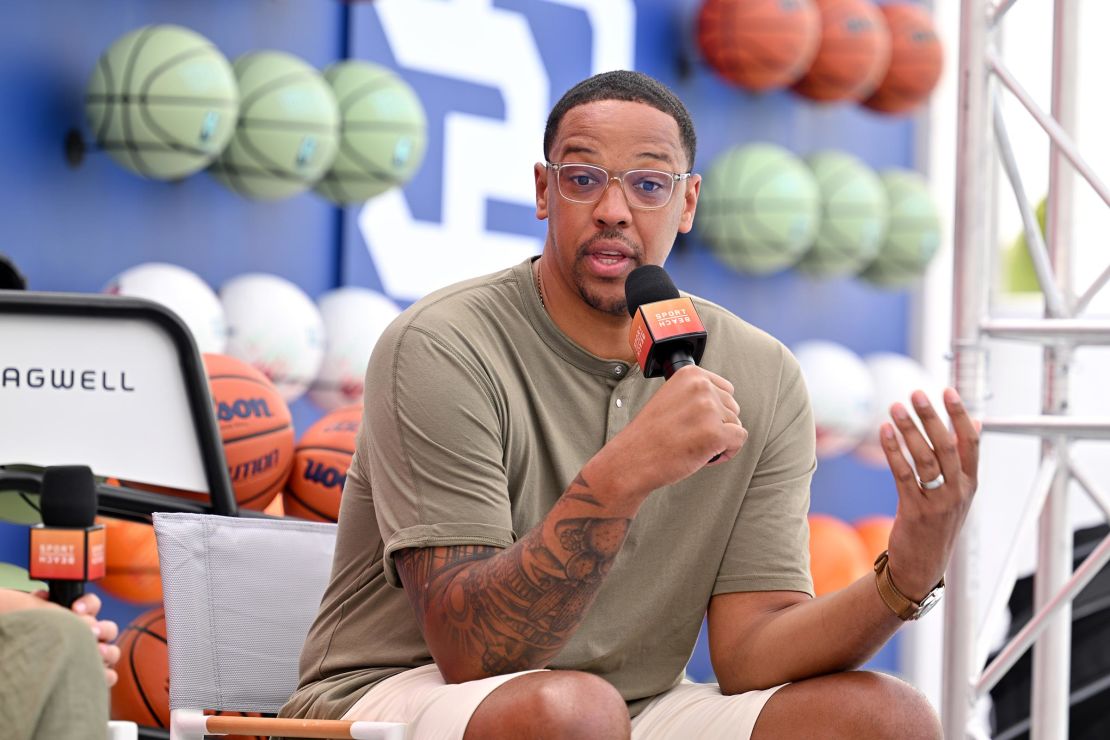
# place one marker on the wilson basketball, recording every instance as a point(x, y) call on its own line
point(853, 54)
point(142, 694)
point(131, 562)
point(837, 556)
point(875, 533)
point(916, 58)
point(320, 466)
point(255, 426)
point(759, 44)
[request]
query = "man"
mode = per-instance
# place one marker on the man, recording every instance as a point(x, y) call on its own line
point(54, 673)
point(544, 506)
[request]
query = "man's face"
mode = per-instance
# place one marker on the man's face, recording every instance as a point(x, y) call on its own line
point(592, 247)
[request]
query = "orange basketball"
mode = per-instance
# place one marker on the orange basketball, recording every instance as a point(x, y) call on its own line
point(130, 562)
point(875, 533)
point(255, 426)
point(853, 55)
point(916, 58)
point(320, 466)
point(837, 556)
point(759, 44)
point(142, 694)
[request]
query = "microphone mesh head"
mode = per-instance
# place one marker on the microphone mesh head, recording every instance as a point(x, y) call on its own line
point(68, 496)
point(648, 284)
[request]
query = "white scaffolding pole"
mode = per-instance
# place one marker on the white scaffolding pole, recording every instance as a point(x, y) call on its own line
point(1062, 330)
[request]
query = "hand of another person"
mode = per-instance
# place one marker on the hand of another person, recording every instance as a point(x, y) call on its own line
point(105, 630)
point(934, 493)
point(690, 419)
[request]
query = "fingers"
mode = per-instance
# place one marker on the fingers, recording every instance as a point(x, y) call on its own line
point(109, 630)
point(905, 480)
point(88, 604)
point(967, 433)
point(110, 677)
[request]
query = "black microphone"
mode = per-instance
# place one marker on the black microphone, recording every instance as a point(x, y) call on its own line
point(67, 549)
point(666, 333)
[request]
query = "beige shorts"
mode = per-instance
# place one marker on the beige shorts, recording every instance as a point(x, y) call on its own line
point(435, 710)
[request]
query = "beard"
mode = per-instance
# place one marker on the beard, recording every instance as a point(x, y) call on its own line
point(617, 306)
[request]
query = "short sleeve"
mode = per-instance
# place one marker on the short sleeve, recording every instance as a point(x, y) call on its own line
point(433, 449)
point(769, 547)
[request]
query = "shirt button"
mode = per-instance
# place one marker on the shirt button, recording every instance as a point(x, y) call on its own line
point(619, 403)
point(618, 370)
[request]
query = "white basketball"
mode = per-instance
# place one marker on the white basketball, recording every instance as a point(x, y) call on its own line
point(896, 377)
point(274, 326)
point(354, 318)
point(183, 292)
point(841, 392)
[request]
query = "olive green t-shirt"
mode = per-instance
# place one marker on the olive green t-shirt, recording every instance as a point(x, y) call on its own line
point(479, 413)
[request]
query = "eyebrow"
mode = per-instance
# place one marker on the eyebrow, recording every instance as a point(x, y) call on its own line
point(661, 156)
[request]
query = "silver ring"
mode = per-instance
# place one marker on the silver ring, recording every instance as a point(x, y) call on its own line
point(932, 485)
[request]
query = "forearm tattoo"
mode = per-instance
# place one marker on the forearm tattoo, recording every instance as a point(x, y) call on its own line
point(520, 606)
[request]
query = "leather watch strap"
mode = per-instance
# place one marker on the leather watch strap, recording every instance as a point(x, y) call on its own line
point(903, 606)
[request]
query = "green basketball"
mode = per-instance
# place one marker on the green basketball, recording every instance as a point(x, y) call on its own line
point(162, 102)
point(913, 231)
point(288, 130)
point(1018, 273)
point(853, 216)
point(18, 579)
point(759, 208)
point(383, 132)
point(18, 507)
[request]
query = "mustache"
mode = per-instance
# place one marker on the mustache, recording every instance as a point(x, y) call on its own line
point(612, 235)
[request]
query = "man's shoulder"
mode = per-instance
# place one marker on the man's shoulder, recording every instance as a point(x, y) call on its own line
point(480, 299)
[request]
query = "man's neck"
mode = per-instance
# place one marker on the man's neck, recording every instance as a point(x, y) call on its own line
point(599, 333)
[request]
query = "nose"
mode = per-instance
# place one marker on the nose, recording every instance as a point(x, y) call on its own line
point(612, 209)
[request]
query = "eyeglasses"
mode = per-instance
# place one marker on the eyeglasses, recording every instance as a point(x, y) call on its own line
point(586, 183)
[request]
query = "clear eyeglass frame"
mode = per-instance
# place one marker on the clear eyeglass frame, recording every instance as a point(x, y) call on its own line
point(631, 197)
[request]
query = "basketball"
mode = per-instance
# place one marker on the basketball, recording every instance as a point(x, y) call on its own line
point(759, 44)
point(837, 556)
point(288, 129)
point(853, 216)
point(320, 465)
point(162, 101)
point(841, 392)
point(142, 693)
point(183, 292)
point(853, 54)
point(354, 318)
point(916, 59)
point(383, 132)
point(913, 231)
point(275, 327)
point(131, 562)
point(875, 533)
point(255, 426)
point(759, 208)
point(19, 507)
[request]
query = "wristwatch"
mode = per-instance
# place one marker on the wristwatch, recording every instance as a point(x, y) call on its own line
point(903, 606)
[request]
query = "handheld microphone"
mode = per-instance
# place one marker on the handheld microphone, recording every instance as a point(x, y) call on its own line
point(67, 549)
point(666, 332)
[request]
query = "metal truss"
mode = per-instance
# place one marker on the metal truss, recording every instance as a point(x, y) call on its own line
point(982, 144)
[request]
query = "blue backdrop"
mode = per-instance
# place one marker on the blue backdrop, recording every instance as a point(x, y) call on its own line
point(73, 228)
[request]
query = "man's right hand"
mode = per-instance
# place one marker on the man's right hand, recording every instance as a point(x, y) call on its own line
point(692, 418)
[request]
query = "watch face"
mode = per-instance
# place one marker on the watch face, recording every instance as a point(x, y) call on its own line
point(928, 602)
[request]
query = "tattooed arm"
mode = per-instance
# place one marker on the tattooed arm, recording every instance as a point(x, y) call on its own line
point(486, 611)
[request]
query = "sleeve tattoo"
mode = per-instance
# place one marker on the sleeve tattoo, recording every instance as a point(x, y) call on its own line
point(520, 606)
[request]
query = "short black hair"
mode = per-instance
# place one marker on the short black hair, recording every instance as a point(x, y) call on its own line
point(10, 276)
point(622, 84)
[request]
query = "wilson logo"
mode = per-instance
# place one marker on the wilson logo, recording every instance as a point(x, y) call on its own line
point(324, 475)
point(243, 408)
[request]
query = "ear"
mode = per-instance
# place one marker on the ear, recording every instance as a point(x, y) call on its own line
point(540, 173)
point(689, 204)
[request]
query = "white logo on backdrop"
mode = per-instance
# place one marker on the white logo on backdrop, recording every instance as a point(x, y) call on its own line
point(483, 158)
